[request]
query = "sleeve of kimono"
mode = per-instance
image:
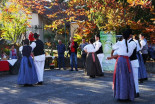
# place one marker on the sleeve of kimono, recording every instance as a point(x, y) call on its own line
point(33, 45)
point(21, 48)
point(115, 46)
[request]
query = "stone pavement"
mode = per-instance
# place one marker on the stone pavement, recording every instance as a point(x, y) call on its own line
point(65, 87)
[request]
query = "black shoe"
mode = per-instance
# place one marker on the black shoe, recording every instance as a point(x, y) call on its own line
point(100, 75)
point(28, 85)
point(137, 95)
point(92, 76)
point(71, 70)
point(76, 69)
point(64, 68)
point(123, 100)
point(40, 83)
point(145, 79)
point(140, 80)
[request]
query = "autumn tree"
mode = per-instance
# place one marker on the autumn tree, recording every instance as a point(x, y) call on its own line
point(14, 20)
point(93, 16)
point(108, 15)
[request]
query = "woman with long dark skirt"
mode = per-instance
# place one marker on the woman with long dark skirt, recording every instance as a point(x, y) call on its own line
point(93, 67)
point(27, 73)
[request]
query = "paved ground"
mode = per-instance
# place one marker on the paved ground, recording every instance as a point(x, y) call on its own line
point(65, 87)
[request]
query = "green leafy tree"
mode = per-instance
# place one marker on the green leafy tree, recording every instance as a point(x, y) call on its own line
point(14, 20)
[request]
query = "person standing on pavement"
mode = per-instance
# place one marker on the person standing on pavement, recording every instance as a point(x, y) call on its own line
point(134, 61)
point(144, 47)
point(93, 67)
point(83, 53)
point(99, 50)
point(61, 49)
point(72, 47)
point(142, 74)
point(27, 72)
point(39, 57)
point(123, 80)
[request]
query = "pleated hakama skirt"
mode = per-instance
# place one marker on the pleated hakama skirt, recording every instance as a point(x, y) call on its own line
point(27, 74)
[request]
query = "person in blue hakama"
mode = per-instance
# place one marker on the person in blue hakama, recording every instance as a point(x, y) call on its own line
point(142, 74)
point(123, 79)
point(27, 73)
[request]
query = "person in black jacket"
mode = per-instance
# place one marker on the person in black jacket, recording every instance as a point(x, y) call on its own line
point(72, 47)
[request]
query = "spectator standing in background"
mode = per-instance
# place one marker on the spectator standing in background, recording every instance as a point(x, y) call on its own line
point(72, 47)
point(83, 53)
point(144, 47)
point(61, 59)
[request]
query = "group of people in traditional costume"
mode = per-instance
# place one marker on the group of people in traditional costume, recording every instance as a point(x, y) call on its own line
point(94, 51)
point(129, 52)
point(128, 67)
point(93, 67)
point(32, 69)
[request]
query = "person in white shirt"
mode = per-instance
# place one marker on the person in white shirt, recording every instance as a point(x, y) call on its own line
point(99, 50)
point(93, 67)
point(39, 57)
point(134, 61)
point(142, 74)
point(144, 47)
point(123, 80)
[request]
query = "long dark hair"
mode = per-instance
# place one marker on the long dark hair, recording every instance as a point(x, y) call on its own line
point(126, 35)
point(91, 40)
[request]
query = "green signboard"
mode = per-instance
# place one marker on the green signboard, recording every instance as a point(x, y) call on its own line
point(108, 39)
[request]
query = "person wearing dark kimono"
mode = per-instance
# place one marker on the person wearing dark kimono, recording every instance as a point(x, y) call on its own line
point(27, 73)
point(142, 74)
point(123, 80)
point(93, 67)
